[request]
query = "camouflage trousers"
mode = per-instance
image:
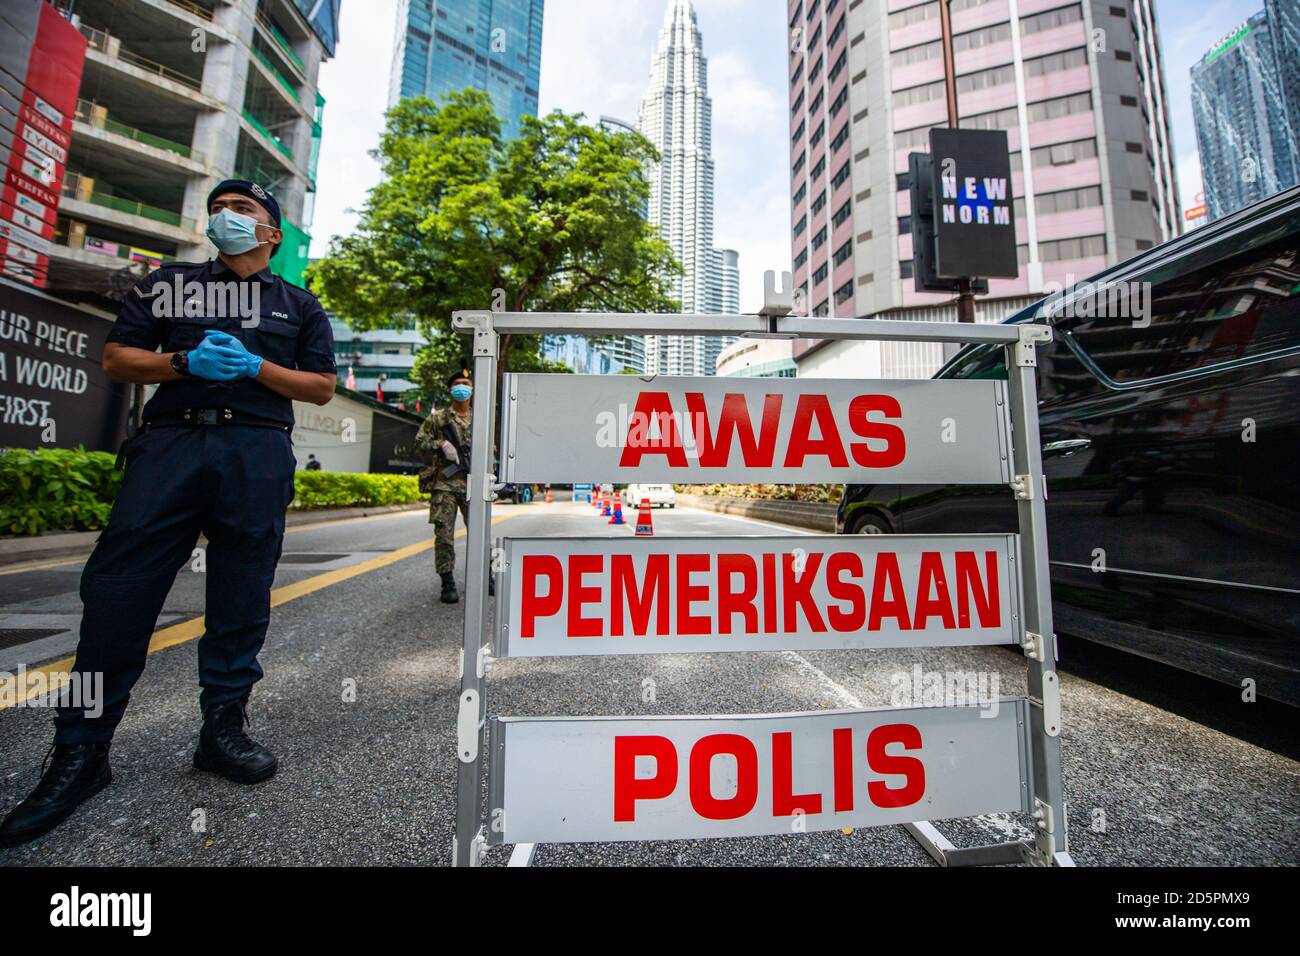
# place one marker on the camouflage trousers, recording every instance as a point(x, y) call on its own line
point(443, 506)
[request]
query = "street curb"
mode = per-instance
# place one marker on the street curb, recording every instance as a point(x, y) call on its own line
point(800, 514)
point(64, 544)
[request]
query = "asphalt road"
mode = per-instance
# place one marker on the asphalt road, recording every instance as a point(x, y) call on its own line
point(1160, 768)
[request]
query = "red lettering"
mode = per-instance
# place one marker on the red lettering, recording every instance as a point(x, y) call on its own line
point(687, 593)
point(883, 763)
point(895, 440)
point(533, 605)
point(852, 620)
point(842, 764)
point(987, 596)
point(887, 573)
point(802, 444)
point(735, 420)
point(797, 591)
point(654, 591)
point(580, 564)
point(740, 602)
point(652, 407)
point(627, 788)
point(702, 754)
point(933, 578)
point(769, 593)
point(784, 801)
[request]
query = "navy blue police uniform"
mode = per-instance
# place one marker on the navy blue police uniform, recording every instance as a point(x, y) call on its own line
point(214, 458)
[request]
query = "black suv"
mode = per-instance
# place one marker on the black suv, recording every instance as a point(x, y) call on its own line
point(1171, 447)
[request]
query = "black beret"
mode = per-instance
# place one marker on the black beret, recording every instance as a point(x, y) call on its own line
point(253, 191)
point(464, 373)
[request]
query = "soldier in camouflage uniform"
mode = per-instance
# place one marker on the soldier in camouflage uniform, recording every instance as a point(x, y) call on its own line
point(445, 479)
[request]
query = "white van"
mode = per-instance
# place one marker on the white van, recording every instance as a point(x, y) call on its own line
point(660, 496)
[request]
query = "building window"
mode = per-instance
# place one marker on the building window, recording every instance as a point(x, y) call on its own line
point(799, 194)
point(801, 225)
point(836, 33)
point(798, 163)
point(905, 18)
point(838, 68)
point(916, 54)
point(818, 169)
point(840, 138)
point(1051, 19)
point(920, 94)
point(817, 135)
point(1063, 154)
point(978, 38)
point(798, 133)
point(1056, 62)
point(801, 258)
point(820, 275)
point(904, 225)
point(1128, 101)
point(844, 293)
point(1059, 250)
point(819, 240)
point(903, 181)
point(819, 203)
point(1143, 244)
point(841, 177)
point(1067, 200)
point(1124, 56)
point(1138, 195)
point(823, 309)
point(842, 214)
point(842, 253)
point(905, 269)
point(998, 119)
point(1061, 106)
point(839, 102)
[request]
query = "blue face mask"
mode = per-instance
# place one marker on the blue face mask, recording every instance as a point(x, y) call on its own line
point(461, 393)
point(233, 233)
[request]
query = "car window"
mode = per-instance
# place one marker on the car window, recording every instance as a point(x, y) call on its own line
point(985, 361)
point(1241, 306)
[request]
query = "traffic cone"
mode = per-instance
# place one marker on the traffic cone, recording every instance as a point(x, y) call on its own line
point(605, 511)
point(644, 525)
point(617, 517)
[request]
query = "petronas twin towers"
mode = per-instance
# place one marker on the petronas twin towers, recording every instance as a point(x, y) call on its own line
point(677, 117)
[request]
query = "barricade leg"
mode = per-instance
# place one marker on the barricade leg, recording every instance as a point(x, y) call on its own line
point(471, 720)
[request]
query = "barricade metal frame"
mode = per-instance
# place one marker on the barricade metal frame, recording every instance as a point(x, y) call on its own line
point(1049, 846)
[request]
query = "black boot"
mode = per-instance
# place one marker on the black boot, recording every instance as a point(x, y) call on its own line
point(225, 749)
point(449, 593)
point(74, 773)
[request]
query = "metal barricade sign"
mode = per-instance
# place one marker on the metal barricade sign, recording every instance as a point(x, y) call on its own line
point(791, 431)
point(576, 780)
point(672, 595)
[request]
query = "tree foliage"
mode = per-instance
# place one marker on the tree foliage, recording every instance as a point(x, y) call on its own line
point(550, 221)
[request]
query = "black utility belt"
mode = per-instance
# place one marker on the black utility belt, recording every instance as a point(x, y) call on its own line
point(197, 417)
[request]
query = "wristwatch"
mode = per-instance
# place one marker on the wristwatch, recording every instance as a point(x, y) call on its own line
point(181, 363)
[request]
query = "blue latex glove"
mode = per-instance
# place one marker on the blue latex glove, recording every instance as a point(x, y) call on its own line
point(250, 364)
point(208, 360)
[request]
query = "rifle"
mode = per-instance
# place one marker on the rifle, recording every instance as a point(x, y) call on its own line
point(455, 468)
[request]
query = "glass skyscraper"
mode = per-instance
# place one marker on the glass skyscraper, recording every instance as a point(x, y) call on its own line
point(443, 46)
point(1247, 110)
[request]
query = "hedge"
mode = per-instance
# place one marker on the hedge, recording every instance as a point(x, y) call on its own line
point(814, 493)
point(57, 489)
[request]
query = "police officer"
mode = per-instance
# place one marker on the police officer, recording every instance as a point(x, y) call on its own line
point(445, 437)
point(214, 458)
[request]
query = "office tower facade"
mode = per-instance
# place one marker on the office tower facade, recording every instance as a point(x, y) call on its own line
point(1247, 111)
point(1077, 86)
point(442, 46)
point(174, 98)
point(676, 115)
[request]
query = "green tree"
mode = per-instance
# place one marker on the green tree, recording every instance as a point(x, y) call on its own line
point(547, 222)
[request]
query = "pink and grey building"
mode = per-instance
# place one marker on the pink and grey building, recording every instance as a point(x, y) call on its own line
point(1079, 83)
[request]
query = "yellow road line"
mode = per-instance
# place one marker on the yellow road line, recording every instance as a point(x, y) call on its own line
point(290, 530)
point(12, 695)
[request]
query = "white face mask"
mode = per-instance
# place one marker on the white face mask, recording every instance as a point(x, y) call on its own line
point(233, 232)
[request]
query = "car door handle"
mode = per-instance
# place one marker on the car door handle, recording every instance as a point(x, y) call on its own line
point(1067, 446)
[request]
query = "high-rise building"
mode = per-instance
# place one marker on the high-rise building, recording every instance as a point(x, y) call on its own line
point(443, 46)
point(677, 117)
point(174, 98)
point(1078, 87)
point(1247, 110)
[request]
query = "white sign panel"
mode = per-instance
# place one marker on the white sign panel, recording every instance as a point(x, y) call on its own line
point(788, 431)
point(597, 779)
point(673, 595)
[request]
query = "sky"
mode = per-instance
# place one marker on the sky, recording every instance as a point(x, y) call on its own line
point(596, 61)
